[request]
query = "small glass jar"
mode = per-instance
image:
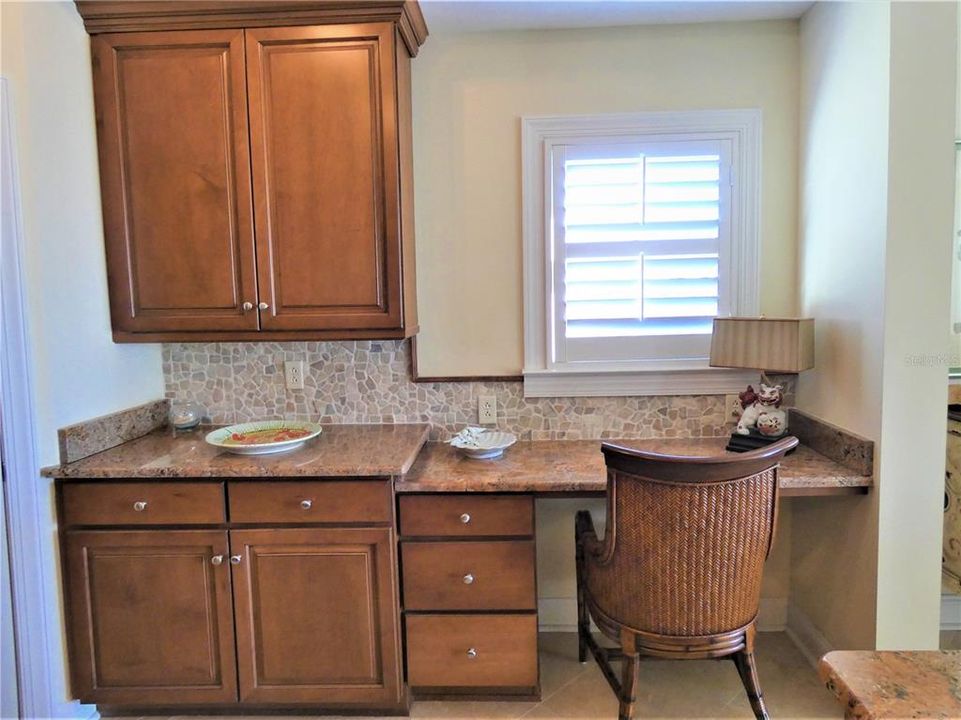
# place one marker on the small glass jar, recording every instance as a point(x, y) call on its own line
point(185, 415)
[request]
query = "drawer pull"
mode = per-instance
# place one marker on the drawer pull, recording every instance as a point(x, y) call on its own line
point(468, 579)
point(217, 560)
point(465, 518)
point(471, 653)
point(236, 559)
point(306, 504)
point(140, 505)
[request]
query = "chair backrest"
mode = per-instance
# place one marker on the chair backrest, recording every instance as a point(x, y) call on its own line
point(686, 539)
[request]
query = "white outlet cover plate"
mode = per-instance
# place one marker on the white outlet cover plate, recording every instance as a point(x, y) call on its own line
point(294, 374)
point(487, 409)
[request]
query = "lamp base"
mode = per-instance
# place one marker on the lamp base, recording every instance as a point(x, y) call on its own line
point(753, 441)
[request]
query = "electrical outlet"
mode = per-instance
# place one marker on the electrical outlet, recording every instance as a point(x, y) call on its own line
point(734, 409)
point(294, 374)
point(487, 410)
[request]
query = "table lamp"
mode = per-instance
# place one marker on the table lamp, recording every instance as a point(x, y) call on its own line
point(775, 345)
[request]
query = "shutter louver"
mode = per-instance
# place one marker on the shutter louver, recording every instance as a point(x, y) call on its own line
point(641, 244)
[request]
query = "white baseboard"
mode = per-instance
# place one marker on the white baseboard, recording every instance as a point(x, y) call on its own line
point(557, 614)
point(560, 614)
point(950, 611)
point(805, 634)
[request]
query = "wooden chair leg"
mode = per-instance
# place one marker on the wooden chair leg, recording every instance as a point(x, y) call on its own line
point(747, 669)
point(583, 625)
point(629, 670)
point(583, 618)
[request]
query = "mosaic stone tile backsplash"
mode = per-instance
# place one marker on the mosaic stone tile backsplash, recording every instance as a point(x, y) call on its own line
point(369, 382)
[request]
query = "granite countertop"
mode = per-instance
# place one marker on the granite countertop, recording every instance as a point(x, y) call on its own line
point(578, 466)
point(341, 450)
point(889, 685)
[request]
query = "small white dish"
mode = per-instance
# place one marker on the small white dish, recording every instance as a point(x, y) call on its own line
point(482, 445)
point(264, 437)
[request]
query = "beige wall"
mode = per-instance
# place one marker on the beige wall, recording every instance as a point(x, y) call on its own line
point(920, 219)
point(844, 79)
point(877, 108)
point(470, 92)
point(78, 371)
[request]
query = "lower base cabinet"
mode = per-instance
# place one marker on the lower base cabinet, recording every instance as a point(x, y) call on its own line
point(312, 625)
point(302, 617)
point(497, 653)
point(150, 617)
point(470, 595)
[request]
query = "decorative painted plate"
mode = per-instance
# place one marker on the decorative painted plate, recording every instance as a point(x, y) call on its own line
point(261, 438)
point(483, 444)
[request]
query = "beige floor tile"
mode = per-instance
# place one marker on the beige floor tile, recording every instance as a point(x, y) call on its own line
point(951, 639)
point(668, 690)
point(449, 710)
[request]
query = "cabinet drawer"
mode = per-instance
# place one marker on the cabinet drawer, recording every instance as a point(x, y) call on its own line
point(504, 651)
point(466, 515)
point(143, 503)
point(497, 575)
point(310, 501)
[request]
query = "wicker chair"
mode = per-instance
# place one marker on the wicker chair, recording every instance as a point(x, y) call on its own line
point(678, 575)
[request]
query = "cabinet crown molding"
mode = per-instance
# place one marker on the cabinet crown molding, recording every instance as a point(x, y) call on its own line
point(110, 16)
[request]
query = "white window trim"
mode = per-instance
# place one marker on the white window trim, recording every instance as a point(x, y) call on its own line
point(669, 377)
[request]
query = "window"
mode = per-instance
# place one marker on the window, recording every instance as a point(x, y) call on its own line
point(639, 230)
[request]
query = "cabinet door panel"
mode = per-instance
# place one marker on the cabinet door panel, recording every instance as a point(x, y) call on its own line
point(325, 168)
point(150, 617)
point(317, 616)
point(175, 178)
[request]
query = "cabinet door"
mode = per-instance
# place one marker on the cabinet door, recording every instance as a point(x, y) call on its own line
point(150, 618)
point(323, 122)
point(175, 180)
point(317, 616)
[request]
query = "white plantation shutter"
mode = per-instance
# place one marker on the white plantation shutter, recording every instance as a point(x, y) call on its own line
point(640, 242)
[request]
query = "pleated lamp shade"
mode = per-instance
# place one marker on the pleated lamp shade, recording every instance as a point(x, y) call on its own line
point(775, 345)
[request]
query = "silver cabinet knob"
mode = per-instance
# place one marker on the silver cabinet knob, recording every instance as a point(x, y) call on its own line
point(217, 560)
point(306, 504)
point(247, 306)
point(140, 505)
point(236, 559)
point(471, 653)
point(468, 579)
point(263, 306)
point(465, 518)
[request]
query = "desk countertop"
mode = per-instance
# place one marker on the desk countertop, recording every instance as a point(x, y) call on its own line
point(892, 685)
point(340, 451)
point(548, 466)
point(577, 466)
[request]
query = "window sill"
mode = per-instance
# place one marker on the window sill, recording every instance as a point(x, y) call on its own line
point(594, 383)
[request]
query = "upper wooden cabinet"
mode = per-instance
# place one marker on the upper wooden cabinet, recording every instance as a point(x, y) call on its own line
point(256, 181)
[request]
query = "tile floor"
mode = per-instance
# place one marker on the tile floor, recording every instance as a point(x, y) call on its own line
point(951, 639)
point(691, 689)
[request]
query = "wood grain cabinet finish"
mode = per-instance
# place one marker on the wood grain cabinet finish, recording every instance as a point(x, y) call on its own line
point(175, 180)
point(323, 120)
point(470, 594)
point(143, 503)
point(150, 617)
point(266, 604)
point(472, 651)
point(466, 515)
point(257, 182)
point(317, 616)
point(311, 501)
point(469, 575)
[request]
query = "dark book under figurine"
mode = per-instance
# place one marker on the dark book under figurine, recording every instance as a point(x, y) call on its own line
point(752, 441)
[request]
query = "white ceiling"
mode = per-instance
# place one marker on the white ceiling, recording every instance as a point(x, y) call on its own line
point(452, 16)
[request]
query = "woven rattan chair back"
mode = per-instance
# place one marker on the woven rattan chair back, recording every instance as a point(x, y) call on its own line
point(679, 571)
